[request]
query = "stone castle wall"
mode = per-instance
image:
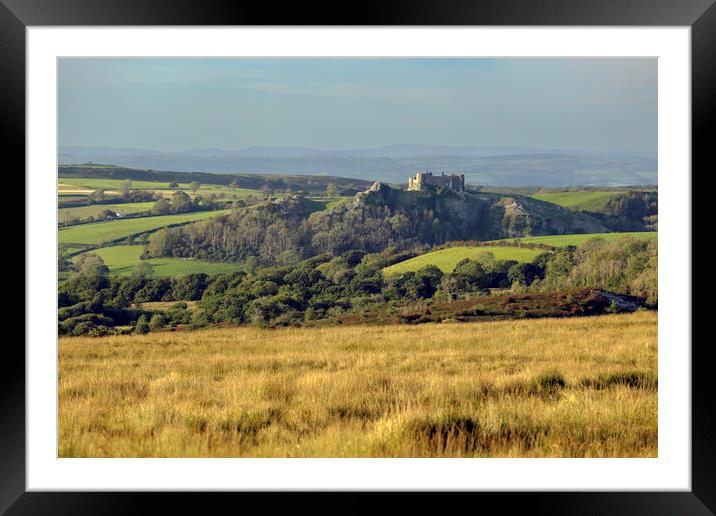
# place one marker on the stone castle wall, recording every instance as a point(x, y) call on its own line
point(453, 181)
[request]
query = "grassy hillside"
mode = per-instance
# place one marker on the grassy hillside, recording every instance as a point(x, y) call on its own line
point(84, 212)
point(311, 183)
point(580, 387)
point(336, 201)
point(84, 184)
point(447, 259)
point(67, 191)
point(241, 193)
point(122, 259)
point(584, 200)
point(98, 232)
point(113, 184)
point(565, 240)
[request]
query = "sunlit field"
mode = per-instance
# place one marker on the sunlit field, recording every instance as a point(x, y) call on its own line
point(84, 212)
point(97, 232)
point(577, 387)
point(447, 259)
point(123, 259)
point(581, 200)
point(579, 239)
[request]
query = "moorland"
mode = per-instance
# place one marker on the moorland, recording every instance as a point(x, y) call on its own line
point(527, 388)
point(284, 315)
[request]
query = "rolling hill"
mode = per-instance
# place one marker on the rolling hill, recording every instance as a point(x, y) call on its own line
point(122, 260)
point(578, 239)
point(506, 166)
point(447, 259)
point(99, 174)
point(97, 232)
point(579, 200)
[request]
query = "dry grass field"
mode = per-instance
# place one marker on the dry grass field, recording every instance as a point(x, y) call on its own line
point(578, 387)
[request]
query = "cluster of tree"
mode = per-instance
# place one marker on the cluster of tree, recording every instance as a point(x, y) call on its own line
point(88, 264)
point(194, 186)
point(287, 230)
point(325, 286)
point(328, 286)
point(632, 211)
point(515, 242)
point(375, 227)
point(180, 202)
point(101, 197)
point(177, 315)
point(470, 277)
point(92, 303)
point(101, 216)
point(626, 266)
point(331, 190)
point(271, 232)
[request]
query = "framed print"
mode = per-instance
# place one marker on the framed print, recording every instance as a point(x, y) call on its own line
point(413, 250)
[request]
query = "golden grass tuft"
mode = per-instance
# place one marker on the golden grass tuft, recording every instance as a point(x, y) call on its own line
point(579, 387)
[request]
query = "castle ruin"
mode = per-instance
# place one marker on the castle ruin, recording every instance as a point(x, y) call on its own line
point(453, 181)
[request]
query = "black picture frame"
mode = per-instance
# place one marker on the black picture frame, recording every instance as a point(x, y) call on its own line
point(16, 15)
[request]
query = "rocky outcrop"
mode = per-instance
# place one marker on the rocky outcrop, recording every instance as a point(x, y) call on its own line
point(522, 215)
point(481, 215)
point(622, 302)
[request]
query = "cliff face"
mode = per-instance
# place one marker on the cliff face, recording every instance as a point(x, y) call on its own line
point(524, 216)
point(476, 216)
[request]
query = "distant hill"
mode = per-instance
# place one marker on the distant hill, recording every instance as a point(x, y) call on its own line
point(499, 166)
point(345, 186)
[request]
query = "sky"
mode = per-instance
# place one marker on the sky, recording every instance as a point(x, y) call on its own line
point(170, 104)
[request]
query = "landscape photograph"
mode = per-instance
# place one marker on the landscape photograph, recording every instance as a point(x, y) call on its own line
point(357, 257)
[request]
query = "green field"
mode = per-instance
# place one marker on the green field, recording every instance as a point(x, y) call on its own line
point(84, 212)
point(583, 201)
point(97, 232)
point(241, 193)
point(116, 184)
point(330, 202)
point(66, 250)
point(122, 259)
point(447, 259)
point(334, 202)
point(113, 184)
point(565, 240)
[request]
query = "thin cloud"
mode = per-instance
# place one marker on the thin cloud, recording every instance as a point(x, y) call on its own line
point(176, 103)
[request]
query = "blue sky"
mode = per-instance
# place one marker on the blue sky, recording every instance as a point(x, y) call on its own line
point(181, 103)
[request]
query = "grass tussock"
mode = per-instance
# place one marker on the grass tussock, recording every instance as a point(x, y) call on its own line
point(580, 387)
point(633, 379)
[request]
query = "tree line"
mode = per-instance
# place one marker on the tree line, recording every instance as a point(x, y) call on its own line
point(326, 286)
point(179, 202)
